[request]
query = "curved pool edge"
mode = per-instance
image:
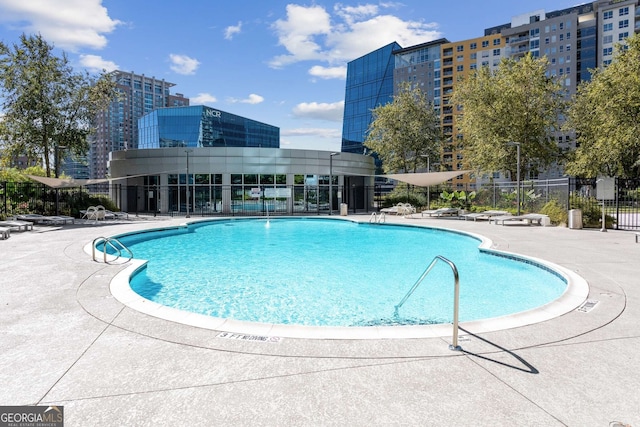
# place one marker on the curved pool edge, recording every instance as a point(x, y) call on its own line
point(575, 294)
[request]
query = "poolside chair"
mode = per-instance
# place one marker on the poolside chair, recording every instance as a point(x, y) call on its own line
point(485, 215)
point(393, 209)
point(442, 212)
point(101, 213)
point(526, 219)
point(43, 219)
point(89, 213)
point(19, 225)
point(5, 233)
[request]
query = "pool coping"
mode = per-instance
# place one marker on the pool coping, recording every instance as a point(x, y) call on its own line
point(575, 294)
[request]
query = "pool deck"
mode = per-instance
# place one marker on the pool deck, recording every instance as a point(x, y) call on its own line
point(67, 341)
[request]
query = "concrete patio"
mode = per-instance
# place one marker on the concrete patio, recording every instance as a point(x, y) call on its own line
point(66, 341)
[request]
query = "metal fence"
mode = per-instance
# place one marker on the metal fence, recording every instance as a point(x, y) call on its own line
point(622, 210)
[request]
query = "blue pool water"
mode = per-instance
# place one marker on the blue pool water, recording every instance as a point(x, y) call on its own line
point(331, 273)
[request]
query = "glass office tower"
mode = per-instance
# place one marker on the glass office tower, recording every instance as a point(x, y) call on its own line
point(201, 126)
point(369, 84)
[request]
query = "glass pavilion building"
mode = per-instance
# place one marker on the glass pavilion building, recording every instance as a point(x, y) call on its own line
point(200, 160)
point(201, 126)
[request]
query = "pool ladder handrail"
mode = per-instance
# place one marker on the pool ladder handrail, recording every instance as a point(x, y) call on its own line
point(456, 296)
point(378, 218)
point(111, 241)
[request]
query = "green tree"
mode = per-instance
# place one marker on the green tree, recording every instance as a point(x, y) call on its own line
point(605, 115)
point(517, 102)
point(404, 132)
point(48, 109)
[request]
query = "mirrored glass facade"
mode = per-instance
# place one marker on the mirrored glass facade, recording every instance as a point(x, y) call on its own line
point(369, 84)
point(201, 126)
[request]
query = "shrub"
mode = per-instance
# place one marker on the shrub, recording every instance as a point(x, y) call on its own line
point(556, 212)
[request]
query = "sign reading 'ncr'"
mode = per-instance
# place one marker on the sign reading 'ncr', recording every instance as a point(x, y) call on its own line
point(212, 113)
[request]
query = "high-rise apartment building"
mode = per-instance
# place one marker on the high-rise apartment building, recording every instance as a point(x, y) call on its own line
point(459, 59)
point(117, 127)
point(574, 40)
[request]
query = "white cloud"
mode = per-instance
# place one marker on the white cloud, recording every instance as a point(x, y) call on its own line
point(328, 72)
point(315, 132)
point(232, 30)
point(95, 63)
point(252, 99)
point(310, 33)
point(182, 64)
point(298, 31)
point(326, 139)
point(320, 111)
point(202, 99)
point(67, 24)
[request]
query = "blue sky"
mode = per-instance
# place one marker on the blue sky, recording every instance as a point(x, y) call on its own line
point(278, 62)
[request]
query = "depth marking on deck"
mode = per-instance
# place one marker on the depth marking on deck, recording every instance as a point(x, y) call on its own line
point(587, 305)
point(245, 337)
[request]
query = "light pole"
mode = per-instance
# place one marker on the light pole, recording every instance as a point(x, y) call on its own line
point(604, 224)
point(331, 181)
point(188, 198)
point(428, 187)
point(517, 144)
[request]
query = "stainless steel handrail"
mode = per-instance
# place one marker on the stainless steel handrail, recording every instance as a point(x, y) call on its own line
point(377, 218)
point(110, 241)
point(456, 296)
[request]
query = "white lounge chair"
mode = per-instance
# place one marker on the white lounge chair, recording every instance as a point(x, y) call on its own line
point(527, 219)
point(89, 213)
point(43, 219)
point(485, 215)
point(19, 225)
point(441, 212)
point(399, 209)
point(5, 233)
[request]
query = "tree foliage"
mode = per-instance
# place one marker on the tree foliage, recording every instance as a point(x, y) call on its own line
point(404, 132)
point(47, 107)
point(515, 103)
point(605, 115)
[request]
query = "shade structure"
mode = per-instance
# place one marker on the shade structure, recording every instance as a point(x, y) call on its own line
point(65, 182)
point(425, 179)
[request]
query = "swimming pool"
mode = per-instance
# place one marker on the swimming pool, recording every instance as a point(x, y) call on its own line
point(314, 272)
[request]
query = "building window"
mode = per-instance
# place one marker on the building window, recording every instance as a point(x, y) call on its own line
point(473, 66)
point(534, 44)
point(473, 46)
point(608, 27)
point(546, 40)
point(496, 42)
point(460, 48)
point(623, 24)
point(608, 14)
point(623, 11)
point(607, 39)
point(623, 36)
point(496, 52)
point(460, 58)
point(460, 68)
point(485, 43)
point(474, 55)
point(607, 51)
